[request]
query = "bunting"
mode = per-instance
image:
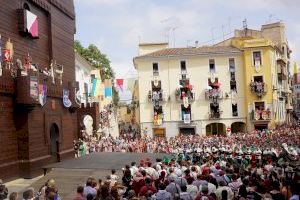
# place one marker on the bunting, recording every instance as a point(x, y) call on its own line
point(95, 90)
point(130, 84)
point(119, 83)
point(108, 92)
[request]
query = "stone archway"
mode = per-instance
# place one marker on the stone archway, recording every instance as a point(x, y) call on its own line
point(238, 127)
point(215, 129)
point(54, 141)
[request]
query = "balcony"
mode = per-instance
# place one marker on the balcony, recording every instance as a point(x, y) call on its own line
point(156, 96)
point(215, 114)
point(182, 93)
point(258, 88)
point(27, 93)
point(288, 107)
point(213, 94)
point(282, 72)
point(261, 115)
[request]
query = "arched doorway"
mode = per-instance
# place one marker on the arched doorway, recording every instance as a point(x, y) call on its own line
point(215, 129)
point(238, 127)
point(54, 138)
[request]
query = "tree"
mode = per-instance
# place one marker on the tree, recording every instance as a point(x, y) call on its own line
point(100, 61)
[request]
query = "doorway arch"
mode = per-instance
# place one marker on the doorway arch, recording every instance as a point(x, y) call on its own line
point(238, 127)
point(54, 141)
point(215, 129)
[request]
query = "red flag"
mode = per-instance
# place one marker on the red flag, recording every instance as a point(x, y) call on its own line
point(120, 83)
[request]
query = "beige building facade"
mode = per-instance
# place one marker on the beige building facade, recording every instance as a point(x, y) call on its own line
point(190, 90)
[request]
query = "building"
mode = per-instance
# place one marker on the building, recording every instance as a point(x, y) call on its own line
point(242, 83)
point(190, 90)
point(37, 85)
point(296, 91)
point(267, 78)
point(83, 72)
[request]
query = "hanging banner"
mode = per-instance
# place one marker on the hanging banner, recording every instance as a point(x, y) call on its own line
point(130, 84)
point(34, 93)
point(66, 100)
point(32, 24)
point(107, 83)
point(120, 83)
point(185, 101)
point(187, 118)
point(42, 94)
point(108, 92)
point(93, 89)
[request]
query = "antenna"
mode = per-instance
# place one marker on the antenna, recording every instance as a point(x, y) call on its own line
point(173, 29)
point(245, 27)
point(245, 24)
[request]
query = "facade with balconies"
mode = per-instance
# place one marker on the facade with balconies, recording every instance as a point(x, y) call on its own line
point(190, 90)
point(266, 61)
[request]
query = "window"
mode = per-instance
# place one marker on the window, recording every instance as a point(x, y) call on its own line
point(259, 105)
point(155, 69)
point(231, 65)
point(183, 67)
point(234, 110)
point(212, 66)
point(257, 58)
point(258, 79)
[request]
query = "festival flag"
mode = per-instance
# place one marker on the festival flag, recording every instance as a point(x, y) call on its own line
point(120, 83)
point(107, 83)
point(95, 90)
point(108, 92)
point(32, 24)
point(295, 68)
point(130, 84)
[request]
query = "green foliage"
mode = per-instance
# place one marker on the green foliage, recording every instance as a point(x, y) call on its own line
point(96, 59)
point(99, 61)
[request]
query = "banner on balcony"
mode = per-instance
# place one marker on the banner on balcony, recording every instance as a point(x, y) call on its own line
point(42, 94)
point(34, 93)
point(157, 119)
point(186, 118)
point(66, 100)
point(185, 100)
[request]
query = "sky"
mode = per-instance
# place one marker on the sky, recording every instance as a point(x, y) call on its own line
point(117, 26)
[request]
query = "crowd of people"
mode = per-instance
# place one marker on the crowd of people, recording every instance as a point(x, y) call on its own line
point(265, 141)
point(254, 166)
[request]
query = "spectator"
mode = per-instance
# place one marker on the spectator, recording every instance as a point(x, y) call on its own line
point(79, 194)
